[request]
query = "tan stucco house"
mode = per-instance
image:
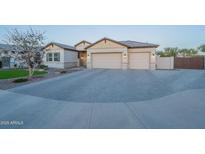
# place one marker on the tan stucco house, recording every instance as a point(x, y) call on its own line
point(111, 54)
point(105, 53)
point(59, 55)
point(82, 52)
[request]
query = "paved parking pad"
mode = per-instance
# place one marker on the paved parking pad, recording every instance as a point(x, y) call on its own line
point(104, 86)
point(180, 110)
point(36, 112)
point(108, 99)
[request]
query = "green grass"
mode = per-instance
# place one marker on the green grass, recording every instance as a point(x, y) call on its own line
point(15, 73)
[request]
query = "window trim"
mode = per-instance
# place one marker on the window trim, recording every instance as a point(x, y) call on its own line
point(58, 56)
point(49, 56)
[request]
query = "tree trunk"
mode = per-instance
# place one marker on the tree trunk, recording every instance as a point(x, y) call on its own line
point(30, 71)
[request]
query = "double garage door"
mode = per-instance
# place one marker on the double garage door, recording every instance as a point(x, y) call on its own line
point(114, 60)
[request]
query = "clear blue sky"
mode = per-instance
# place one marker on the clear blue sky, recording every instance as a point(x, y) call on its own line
point(165, 36)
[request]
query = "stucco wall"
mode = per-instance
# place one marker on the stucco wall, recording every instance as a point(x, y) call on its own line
point(165, 62)
point(52, 47)
point(82, 46)
point(141, 50)
point(67, 58)
point(107, 47)
point(54, 64)
point(106, 44)
point(70, 56)
point(70, 64)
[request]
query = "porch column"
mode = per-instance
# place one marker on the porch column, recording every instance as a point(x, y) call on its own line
point(153, 60)
point(125, 59)
point(88, 59)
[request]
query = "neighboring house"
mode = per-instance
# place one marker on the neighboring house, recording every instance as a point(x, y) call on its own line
point(111, 54)
point(7, 56)
point(82, 52)
point(10, 58)
point(59, 55)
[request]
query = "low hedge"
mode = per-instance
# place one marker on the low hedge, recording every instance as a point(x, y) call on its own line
point(45, 67)
point(62, 72)
point(0, 64)
point(20, 80)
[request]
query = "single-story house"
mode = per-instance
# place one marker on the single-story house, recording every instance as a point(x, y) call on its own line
point(59, 55)
point(111, 54)
point(82, 51)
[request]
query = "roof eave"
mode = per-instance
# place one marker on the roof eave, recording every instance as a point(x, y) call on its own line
point(105, 38)
point(81, 42)
point(145, 47)
point(46, 45)
point(71, 49)
point(58, 46)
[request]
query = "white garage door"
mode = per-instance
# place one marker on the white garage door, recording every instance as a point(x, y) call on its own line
point(139, 60)
point(107, 60)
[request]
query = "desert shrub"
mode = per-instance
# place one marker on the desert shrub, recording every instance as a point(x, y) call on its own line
point(62, 72)
point(45, 67)
point(15, 65)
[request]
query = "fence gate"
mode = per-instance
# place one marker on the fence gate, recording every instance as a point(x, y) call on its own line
point(189, 62)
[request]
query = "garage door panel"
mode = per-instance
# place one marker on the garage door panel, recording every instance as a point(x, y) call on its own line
point(107, 60)
point(139, 60)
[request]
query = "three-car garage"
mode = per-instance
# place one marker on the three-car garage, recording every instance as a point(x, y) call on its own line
point(114, 60)
point(111, 54)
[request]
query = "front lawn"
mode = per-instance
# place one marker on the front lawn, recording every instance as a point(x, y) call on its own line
point(15, 73)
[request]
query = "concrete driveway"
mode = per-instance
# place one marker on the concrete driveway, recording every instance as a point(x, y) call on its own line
point(108, 99)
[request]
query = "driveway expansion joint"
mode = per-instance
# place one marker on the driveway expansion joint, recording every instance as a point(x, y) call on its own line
point(137, 119)
point(91, 115)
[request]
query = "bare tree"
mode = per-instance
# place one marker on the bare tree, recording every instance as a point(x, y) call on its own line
point(27, 46)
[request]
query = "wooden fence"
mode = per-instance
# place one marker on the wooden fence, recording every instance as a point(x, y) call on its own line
point(189, 62)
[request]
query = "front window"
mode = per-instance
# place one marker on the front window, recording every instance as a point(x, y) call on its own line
point(56, 56)
point(49, 57)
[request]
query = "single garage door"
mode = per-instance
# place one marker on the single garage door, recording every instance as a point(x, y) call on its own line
point(139, 60)
point(107, 60)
